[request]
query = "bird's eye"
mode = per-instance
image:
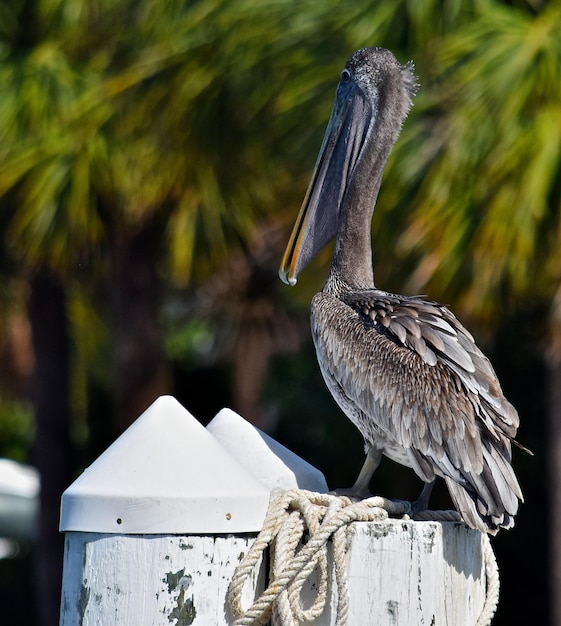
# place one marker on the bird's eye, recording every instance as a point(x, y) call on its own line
point(345, 76)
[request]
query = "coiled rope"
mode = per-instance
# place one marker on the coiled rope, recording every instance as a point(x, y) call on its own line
point(296, 514)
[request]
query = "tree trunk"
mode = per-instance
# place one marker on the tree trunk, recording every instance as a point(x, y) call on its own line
point(554, 438)
point(52, 451)
point(141, 373)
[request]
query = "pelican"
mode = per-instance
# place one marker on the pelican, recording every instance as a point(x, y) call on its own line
point(403, 369)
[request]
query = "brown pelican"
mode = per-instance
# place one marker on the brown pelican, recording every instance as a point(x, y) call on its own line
point(403, 369)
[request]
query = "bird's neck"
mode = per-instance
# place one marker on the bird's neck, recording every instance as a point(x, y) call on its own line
point(352, 259)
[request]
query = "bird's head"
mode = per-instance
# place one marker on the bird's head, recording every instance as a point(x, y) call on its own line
point(373, 88)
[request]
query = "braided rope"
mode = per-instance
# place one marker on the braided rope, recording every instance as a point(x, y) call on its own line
point(325, 519)
point(288, 514)
point(492, 584)
point(436, 516)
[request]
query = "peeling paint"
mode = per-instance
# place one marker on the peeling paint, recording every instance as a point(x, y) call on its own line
point(184, 611)
point(392, 607)
point(83, 600)
point(430, 538)
point(184, 588)
point(379, 530)
point(172, 579)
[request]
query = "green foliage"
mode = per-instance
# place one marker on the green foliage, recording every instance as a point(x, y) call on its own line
point(114, 111)
point(16, 429)
point(45, 155)
point(481, 160)
point(190, 343)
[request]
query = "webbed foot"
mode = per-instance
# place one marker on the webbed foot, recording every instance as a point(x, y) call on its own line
point(353, 493)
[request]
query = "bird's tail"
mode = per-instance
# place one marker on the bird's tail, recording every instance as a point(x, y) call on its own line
point(488, 501)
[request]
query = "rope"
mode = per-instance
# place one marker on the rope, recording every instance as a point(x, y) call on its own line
point(436, 516)
point(323, 519)
point(290, 513)
point(492, 584)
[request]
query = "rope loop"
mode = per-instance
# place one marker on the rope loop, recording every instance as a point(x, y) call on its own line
point(304, 532)
point(291, 516)
point(492, 584)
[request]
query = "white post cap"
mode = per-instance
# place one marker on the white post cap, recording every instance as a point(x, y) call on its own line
point(165, 474)
point(265, 459)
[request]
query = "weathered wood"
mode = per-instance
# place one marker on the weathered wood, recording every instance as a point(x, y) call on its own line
point(399, 573)
point(415, 573)
point(403, 573)
point(150, 580)
point(157, 524)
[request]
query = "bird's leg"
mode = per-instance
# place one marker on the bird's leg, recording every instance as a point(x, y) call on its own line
point(422, 502)
point(360, 488)
point(370, 465)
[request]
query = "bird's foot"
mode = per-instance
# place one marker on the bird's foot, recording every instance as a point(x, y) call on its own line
point(394, 507)
point(353, 493)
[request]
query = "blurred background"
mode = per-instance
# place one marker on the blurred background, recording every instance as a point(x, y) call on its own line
point(153, 157)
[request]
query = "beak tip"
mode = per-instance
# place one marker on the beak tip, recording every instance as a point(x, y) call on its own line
point(288, 280)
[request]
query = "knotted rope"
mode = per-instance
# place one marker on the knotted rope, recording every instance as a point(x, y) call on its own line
point(324, 519)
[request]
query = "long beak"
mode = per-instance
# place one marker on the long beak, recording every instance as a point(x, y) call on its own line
point(318, 220)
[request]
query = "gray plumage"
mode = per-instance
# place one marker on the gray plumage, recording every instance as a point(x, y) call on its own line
point(403, 369)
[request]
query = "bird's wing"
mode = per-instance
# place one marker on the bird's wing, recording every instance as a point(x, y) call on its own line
point(411, 367)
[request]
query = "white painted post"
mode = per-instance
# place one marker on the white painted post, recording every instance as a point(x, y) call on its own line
point(409, 572)
point(157, 525)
